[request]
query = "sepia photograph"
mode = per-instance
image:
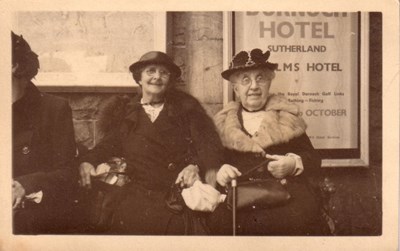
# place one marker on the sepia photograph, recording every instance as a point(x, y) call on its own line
point(175, 128)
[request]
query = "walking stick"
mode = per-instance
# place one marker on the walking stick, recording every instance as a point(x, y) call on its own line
point(234, 183)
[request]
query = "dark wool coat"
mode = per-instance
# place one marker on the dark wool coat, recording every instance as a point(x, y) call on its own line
point(155, 154)
point(281, 131)
point(43, 148)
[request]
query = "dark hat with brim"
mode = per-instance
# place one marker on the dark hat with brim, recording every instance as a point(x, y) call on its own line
point(24, 57)
point(156, 57)
point(246, 60)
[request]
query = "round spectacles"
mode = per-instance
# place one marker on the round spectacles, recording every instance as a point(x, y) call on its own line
point(163, 73)
point(259, 81)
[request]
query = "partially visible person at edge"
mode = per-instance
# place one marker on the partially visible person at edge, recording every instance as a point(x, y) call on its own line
point(262, 125)
point(166, 137)
point(43, 148)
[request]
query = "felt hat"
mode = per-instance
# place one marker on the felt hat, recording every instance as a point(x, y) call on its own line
point(156, 57)
point(27, 60)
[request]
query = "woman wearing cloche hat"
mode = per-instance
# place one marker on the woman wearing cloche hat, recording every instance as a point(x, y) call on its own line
point(262, 126)
point(166, 138)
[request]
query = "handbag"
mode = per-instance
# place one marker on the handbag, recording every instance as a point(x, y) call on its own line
point(257, 193)
point(195, 222)
point(108, 191)
point(174, 200)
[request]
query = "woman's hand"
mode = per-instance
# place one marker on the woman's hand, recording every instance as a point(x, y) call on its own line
point(226, 174)
point(188, 176)
point(18, 194)
point(281, 165)
point(86, 170)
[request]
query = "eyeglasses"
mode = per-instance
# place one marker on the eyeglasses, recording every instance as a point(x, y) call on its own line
point(260, 80)
point(152, 71)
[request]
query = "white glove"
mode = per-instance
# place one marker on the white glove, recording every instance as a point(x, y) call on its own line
point(202, 197)
point(102, 169)
point(35, 197)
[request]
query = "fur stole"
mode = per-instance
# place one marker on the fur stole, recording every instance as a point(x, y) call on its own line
point(113, 110)
point(282, 122)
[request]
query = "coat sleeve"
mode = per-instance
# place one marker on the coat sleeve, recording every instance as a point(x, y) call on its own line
point(310, 157)
point(111, 118)
point(109, 146)
point(208, 145)
point(58, 177)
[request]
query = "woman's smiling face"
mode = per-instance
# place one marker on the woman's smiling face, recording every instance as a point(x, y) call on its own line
point(155, 79)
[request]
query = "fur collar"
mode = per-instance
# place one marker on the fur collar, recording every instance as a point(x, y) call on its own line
point(123, 108)
point(281, 123)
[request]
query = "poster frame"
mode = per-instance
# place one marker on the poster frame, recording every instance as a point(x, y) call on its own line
point(330, 160)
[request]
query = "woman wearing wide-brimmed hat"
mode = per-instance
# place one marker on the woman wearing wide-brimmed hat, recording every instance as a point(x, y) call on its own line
point(262, 126)
point(165, 137)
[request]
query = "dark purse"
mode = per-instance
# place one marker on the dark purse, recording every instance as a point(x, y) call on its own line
point(108, 190)
point(195, 222)
point(257, 193)
point(174, 200)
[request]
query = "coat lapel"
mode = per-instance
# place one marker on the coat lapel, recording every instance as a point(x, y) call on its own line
point(168, 119)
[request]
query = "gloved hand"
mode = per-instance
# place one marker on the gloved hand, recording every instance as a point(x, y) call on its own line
point(188, 176)
point(226, 174)
point(86, 170)
point(281, 165)
point(18, 194)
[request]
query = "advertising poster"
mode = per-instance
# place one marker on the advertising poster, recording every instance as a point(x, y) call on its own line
point(317, 54)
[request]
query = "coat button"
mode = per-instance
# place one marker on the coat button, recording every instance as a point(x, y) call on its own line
point(259, 155)
point(26, 150)
point(171, 167)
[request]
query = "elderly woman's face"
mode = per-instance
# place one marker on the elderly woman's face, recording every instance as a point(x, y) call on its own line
point(154, 79)
point(252, 87)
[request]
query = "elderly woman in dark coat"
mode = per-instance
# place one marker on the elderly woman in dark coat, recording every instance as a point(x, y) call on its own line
point(166, 137)
point(260, 126)
point(43, 149)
